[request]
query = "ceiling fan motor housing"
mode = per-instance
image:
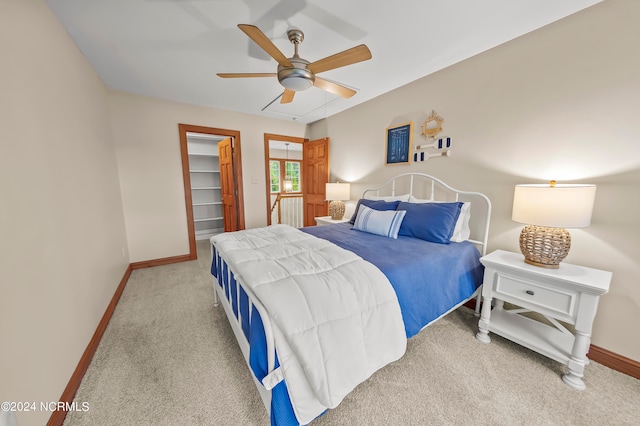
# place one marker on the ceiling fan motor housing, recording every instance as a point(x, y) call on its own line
point(298, 77)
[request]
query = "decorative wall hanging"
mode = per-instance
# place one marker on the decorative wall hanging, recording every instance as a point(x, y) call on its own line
point(432, 126)
point(399, 143)
point(430, 129)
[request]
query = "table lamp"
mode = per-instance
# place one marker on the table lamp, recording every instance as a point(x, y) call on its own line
point(337, 193)
point(547, 209)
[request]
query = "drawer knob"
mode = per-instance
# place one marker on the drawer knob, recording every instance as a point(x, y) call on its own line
point(530, 292)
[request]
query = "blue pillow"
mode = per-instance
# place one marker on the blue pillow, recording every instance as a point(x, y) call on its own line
point(385, 223)
point(375, 205)
point(433, 222)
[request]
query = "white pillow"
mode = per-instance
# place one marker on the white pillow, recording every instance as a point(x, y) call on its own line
point(461, 232)
point(386, 223)
point(403, 197)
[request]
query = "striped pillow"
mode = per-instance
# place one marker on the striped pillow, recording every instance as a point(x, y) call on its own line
point(385, 223)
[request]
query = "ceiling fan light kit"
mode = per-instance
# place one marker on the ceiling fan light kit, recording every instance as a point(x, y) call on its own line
point(296, 78)
point(296, 74)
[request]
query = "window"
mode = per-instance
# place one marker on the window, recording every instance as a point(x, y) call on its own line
point(281, 170)
point(274, 172)
point(293, 173)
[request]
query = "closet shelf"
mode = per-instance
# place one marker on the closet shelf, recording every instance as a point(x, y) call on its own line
point(212, 203)
point(204, 171)
point(198, 154)
point(206, 187)
point(207, 219)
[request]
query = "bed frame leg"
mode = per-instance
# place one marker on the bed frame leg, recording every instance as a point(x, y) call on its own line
point(478, 303)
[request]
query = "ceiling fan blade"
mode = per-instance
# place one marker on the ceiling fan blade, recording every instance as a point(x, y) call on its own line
point(335, 88)
point(267, 45)
point(246, 74)
point(287, 96)
point(350, 56)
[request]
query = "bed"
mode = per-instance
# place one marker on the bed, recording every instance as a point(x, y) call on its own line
point(317, 310)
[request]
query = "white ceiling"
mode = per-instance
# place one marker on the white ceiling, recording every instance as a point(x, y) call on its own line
point(172, 49)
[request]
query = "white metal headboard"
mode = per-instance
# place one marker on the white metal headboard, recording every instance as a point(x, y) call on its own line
point(428, 187)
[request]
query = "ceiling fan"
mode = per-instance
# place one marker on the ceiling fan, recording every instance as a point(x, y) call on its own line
point(295, 73)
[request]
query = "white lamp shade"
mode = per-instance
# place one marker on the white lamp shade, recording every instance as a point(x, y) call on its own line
point(558, 206)
point(338, 191)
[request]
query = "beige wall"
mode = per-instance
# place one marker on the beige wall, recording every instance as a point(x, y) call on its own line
point(561, 102)
point(61, 222)
point(77, 162)
point(148, 150)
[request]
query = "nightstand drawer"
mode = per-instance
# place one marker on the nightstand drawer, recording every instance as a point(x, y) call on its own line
point(528, 295)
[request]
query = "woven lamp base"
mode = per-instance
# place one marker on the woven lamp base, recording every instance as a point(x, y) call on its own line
point(336, 210)
point(544, 246)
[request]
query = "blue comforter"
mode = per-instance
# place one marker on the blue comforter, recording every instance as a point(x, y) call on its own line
point(429, 278)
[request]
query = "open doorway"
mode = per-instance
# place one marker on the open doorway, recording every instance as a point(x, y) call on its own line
point(284, 180)
point(212, 175)
point(281, 170)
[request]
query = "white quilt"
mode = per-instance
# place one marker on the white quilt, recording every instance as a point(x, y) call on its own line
point(335, 316)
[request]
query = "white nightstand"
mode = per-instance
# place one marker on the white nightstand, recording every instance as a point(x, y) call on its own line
point(569, 293)
point(326, 220)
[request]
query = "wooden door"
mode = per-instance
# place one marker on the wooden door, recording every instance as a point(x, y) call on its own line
point(227, 182)
point(315, 176)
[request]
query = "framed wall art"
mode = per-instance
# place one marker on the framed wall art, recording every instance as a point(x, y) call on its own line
point(399, 144)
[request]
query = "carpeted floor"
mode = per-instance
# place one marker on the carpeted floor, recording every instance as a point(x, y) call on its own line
point(168, 357)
